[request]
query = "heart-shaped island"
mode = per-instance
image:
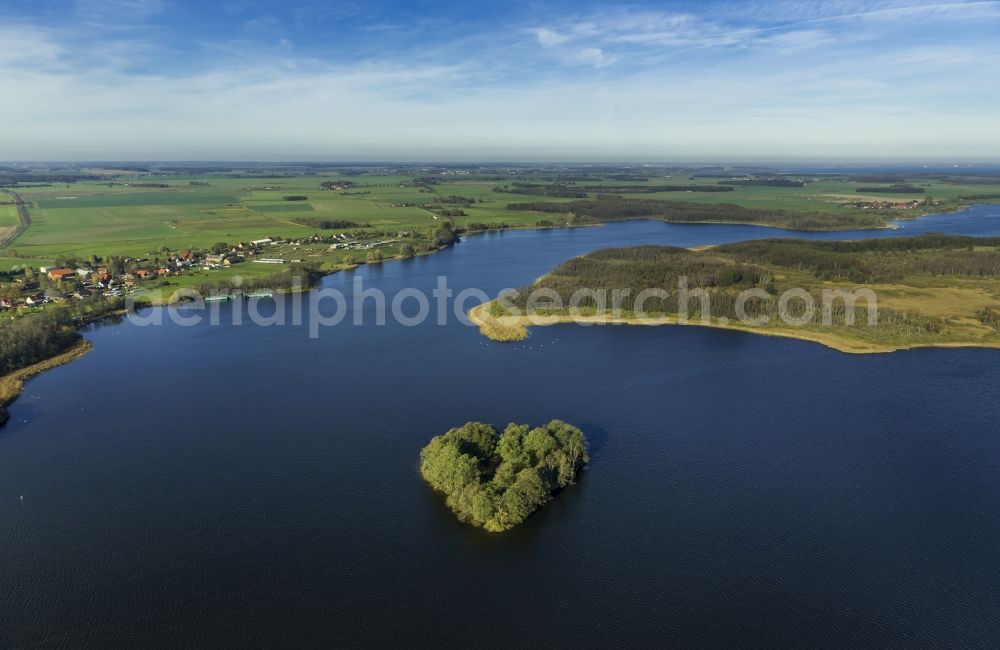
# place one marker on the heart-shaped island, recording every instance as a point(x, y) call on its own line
point(496, 480)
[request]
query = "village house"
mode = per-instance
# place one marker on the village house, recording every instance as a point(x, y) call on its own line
point(58, 275)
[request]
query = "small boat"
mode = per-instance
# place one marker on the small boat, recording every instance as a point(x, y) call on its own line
point(225, 298)
point(259, 294)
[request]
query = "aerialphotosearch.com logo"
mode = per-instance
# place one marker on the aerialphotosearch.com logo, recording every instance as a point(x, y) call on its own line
point(410, 307)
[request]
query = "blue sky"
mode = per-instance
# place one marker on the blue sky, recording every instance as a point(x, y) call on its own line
point(244, 79)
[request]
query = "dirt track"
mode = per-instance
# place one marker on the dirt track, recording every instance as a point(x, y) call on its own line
point(7, 238)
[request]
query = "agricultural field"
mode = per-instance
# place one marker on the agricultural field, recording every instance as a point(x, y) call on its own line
point(128, 214)
point(86, 218)
point(8, 213)
point(8, 219)
point(817, 195)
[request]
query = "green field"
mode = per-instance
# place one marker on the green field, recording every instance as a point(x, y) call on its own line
point(8, 215)
point(119, 217)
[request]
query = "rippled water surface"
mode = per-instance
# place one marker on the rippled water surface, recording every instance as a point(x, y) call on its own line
point(249, 485)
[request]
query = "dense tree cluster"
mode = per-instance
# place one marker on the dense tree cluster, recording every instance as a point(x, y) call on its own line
point(616, 208)
point(455, 199)
point(877, 178)
point(764, 182)
point(583, 191)
point(14, 179)
point(445, 235)
point(328, 185)
point(534, 189)
point(653, 189)
point(876, 260)
point(633, 270)
point(496, 480)
point(28, 340)
point(475, 226)
point(326, 224)
point(37, 336)
point(723, 272)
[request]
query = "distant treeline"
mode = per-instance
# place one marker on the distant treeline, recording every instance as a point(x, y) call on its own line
point(295, 197)
point(614, 208)
point(554, 191)
point(583, 191)
point(878, 178)
point(12, 180)
point(969, 180)
point(979, 197)
point(197, 169)
point(326, 224)
point(892, 189)
point(652, 189)
point(764, 182)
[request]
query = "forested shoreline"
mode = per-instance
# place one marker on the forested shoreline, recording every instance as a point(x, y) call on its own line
point(608, 208)
point(932, 290)
point(39, 337)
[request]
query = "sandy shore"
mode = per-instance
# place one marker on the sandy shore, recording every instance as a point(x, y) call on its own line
point(12, 384)
point(516, 329)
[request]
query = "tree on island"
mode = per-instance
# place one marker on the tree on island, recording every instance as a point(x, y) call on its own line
point(496, 480)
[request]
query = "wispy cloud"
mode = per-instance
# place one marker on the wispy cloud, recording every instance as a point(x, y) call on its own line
point(120, 9)
point(845, 78)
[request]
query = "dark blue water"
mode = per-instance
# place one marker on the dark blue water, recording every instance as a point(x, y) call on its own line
point(250, 486)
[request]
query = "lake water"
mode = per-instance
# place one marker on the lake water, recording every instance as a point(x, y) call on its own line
point(249, 486)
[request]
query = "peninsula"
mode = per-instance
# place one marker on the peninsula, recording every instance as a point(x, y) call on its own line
point(875, 295)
